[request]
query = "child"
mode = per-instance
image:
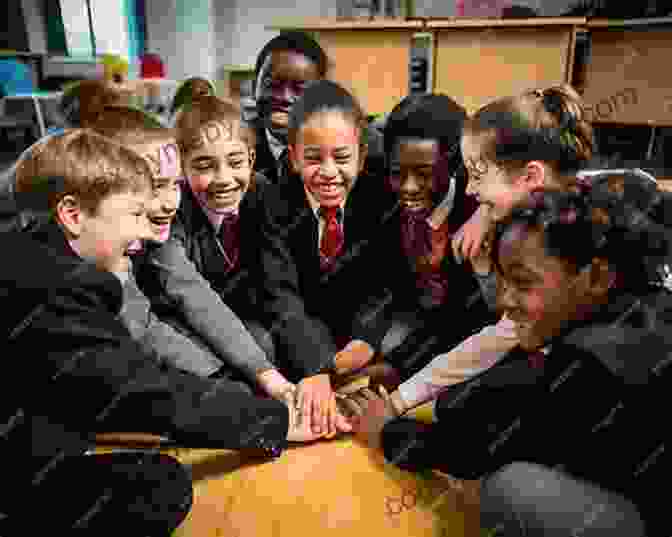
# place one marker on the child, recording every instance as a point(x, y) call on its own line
point(553, 141)
point(422, 136)
point(62, 324)
point(286, 65)
point(564, 413)
point(184, 301)
point(318, 223)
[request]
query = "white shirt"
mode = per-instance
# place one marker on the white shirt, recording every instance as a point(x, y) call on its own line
point(277, 148)
point(315, 206)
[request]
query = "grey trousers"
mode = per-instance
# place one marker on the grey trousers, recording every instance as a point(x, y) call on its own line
point(529, 500)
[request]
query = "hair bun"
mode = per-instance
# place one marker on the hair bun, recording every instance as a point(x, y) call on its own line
point(554, 103)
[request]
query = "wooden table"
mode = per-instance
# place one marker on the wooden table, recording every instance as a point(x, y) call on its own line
point(479, 60)
point(369, 57)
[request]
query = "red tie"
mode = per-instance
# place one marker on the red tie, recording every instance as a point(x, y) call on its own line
point(537, 359)
point(332, 237)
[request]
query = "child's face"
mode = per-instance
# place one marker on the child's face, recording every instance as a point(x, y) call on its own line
point(105, 236)
point(540, 293)
point(219, 166)
point(282, 79)
point(491, 185)
point(328, 156)
point(164, 160)
point(412, 171)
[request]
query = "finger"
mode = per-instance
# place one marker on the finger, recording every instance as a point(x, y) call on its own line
point(369, 394)
point(383, 393)
point(324, 415)
point(333, 417)
point(316, 413)
point(456, 245)
point(353, 407)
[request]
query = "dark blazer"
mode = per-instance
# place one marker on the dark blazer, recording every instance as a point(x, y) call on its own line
point(239, 288)
point(594, 408)
point(82, 373)
point(304, 308)
point(463, 312)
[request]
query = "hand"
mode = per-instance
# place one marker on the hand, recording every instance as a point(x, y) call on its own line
point(370, 413)
point(274, 383)
point(319, 403)
point(354, 356)
point(299, 429)
point(469, 240)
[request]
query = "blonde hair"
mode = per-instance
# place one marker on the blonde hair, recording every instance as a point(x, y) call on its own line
point(195, 115)
point(83, 164)
point(566, 116)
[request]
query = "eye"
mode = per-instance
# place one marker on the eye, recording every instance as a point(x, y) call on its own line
point(342, 160)
point(237, 164)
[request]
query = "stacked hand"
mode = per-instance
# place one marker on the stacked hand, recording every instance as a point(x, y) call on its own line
point(369, 413)
point(318, 403)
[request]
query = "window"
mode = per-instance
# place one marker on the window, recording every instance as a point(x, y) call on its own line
point(86, 28)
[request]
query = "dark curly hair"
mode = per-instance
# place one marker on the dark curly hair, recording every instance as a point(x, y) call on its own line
point(620, 217)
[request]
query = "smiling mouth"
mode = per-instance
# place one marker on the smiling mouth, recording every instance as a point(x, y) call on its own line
point(161, 222)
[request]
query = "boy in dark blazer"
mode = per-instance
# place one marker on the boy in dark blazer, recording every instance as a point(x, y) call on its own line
point(68, 342)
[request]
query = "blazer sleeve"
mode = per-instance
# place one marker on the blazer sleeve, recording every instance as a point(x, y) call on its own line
point(205, 312)
point(91, 354)
point(305, 340)
point(160, 339)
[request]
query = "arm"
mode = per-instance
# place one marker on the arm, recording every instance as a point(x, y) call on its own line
point(472, 356)
point(205, 311)
point(160, 339)
point(92, 355)
point(306, 340)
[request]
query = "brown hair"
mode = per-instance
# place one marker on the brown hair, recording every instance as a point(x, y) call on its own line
point(94, 96)
point(83, 164)
point(555, 115)
point(194, 116)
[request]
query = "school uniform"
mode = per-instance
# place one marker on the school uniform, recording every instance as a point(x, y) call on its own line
point(226, 261)
point(313, 303)
point(588, 406)
point(444, 302)
point(62, 338)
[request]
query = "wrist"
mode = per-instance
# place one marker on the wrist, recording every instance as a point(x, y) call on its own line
point(398, 403)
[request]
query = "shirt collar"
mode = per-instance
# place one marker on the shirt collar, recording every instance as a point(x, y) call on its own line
point(276, 146)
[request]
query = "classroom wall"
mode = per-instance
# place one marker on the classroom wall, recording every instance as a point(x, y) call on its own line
point(202, 36)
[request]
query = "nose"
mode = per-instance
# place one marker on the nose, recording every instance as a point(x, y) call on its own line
point(471, 187)
point(328, 168)
point(506, 297)
point(409, 184)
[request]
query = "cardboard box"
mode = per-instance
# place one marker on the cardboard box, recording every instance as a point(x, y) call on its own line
point(628, 79)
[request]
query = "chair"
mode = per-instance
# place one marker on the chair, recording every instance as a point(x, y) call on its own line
point(16, 77)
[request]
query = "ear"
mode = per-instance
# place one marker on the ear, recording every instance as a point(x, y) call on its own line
point(363, 153)
point(252, 153)
point(534, 175)
point(600, 277)
point(70, 215)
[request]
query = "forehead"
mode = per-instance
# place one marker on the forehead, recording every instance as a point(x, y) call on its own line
point(215, 133)
point(415, 150)
point(330, 128)
point(219, 148)
point(522, 250)
point(289, 65)
point(123, 201)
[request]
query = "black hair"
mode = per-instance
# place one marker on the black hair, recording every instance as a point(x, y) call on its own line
point(297, 42)
point(437, 117)
point(321, 96)
point(620, 217)
point(427, 116)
